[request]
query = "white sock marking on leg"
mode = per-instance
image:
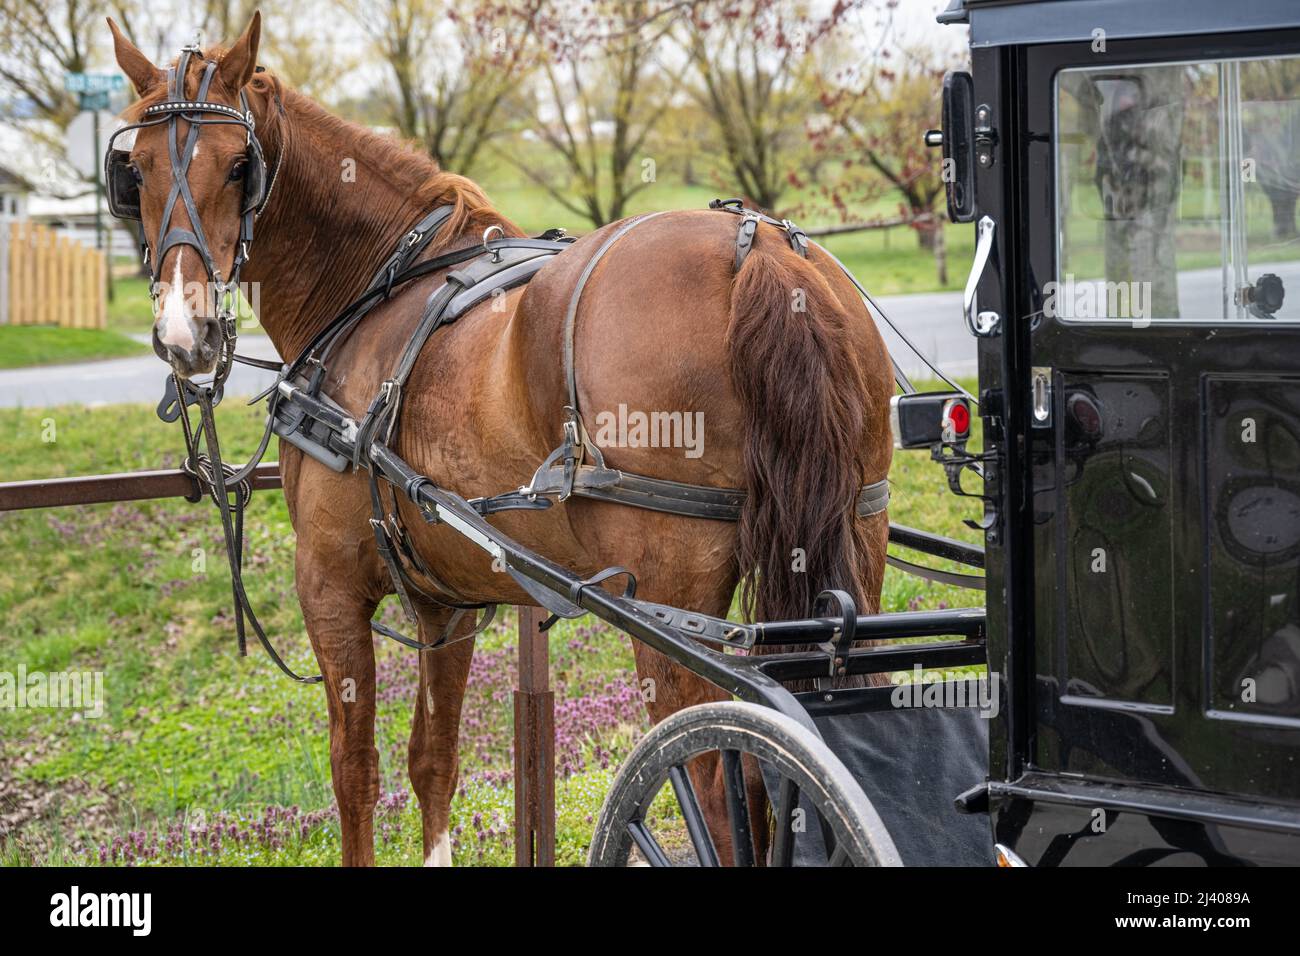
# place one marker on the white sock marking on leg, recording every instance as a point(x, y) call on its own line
point(440, 855)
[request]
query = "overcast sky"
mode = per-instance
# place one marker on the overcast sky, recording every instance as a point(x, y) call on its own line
point(915, 24)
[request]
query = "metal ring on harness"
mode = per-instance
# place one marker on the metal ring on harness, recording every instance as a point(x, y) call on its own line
point(487, 237)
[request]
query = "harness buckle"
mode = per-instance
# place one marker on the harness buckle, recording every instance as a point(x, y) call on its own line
point(572, 453)
point(571, 432)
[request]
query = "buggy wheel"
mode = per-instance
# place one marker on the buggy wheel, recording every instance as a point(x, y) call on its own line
point(811, 787)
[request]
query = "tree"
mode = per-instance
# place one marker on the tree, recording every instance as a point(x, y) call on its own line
point(303, 55)
point(877, 122)
point(755, 74)
point(1271, 124)
point(602, 93)
point(452, 66)
point(42, 42)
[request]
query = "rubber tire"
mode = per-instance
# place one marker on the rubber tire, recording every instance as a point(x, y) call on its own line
point(794, 750)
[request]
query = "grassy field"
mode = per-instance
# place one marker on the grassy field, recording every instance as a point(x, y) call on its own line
point(26, 345)
point(204, 758)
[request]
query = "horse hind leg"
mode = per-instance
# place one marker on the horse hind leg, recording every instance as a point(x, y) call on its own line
point(433, 756)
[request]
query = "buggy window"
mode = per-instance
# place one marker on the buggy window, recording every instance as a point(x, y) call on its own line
point(1177, 188)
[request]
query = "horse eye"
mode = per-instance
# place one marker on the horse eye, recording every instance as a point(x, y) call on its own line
point(137, 175)
point(237, 173)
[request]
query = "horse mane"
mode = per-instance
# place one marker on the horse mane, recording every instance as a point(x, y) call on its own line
point(416, 177)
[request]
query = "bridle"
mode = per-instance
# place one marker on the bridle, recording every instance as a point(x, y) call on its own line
point(124, 191)
point(229, 488)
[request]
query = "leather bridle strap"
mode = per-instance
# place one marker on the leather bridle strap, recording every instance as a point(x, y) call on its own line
point(199, 112)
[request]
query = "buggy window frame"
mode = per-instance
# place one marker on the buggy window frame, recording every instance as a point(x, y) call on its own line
point(1232, 223)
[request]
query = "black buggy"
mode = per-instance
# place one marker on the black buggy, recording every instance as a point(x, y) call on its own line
point(1132, 171)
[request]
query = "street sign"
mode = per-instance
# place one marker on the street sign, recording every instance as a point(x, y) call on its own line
point(93, 82)
point(85, 149)
point(93, 101)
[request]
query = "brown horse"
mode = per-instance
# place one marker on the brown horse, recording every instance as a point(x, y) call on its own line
point(782, 360)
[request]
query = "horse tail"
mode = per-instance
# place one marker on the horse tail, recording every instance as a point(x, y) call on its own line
point(806, 407)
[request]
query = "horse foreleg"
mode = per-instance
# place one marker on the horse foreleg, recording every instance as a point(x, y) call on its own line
point(433, 756)
point(338, 623)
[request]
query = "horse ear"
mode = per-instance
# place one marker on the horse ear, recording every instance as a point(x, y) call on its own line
point(240, 60)
point(142, 73)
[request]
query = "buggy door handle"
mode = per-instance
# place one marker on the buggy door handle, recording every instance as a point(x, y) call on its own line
point(981, 324)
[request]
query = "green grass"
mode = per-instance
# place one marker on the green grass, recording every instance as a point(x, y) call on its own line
point(196, 741)
point(130, 310)
point(891, 261)
point(26, 345)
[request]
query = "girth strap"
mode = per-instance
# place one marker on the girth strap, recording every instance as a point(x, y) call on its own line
point(661, 494)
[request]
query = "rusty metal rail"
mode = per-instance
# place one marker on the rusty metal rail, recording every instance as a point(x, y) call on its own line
point(534, 701)
point(125, 486)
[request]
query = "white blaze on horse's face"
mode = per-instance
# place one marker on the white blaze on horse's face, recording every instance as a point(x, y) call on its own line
point(173, 314)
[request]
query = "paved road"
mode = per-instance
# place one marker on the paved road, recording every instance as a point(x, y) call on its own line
point(932, 321)
point(137, 379)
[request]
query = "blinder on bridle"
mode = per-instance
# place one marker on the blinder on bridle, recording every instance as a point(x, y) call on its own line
point(123, 188)
point(124, 191)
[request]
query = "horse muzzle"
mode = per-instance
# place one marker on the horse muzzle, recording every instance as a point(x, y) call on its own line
point(193, 348)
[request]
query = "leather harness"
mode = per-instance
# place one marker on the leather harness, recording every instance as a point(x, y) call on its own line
point(302, 415)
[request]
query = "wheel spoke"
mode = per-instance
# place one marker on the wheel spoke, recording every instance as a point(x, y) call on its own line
point(733, 779)
point(691, 813)
point(787, 801)
point(840, 857)
point(829, 843)
point(647, 844)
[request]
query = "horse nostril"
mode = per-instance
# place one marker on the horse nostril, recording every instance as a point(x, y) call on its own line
point(180, 359)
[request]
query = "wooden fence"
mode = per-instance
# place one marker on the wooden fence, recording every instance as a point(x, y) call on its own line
point(48, 279)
